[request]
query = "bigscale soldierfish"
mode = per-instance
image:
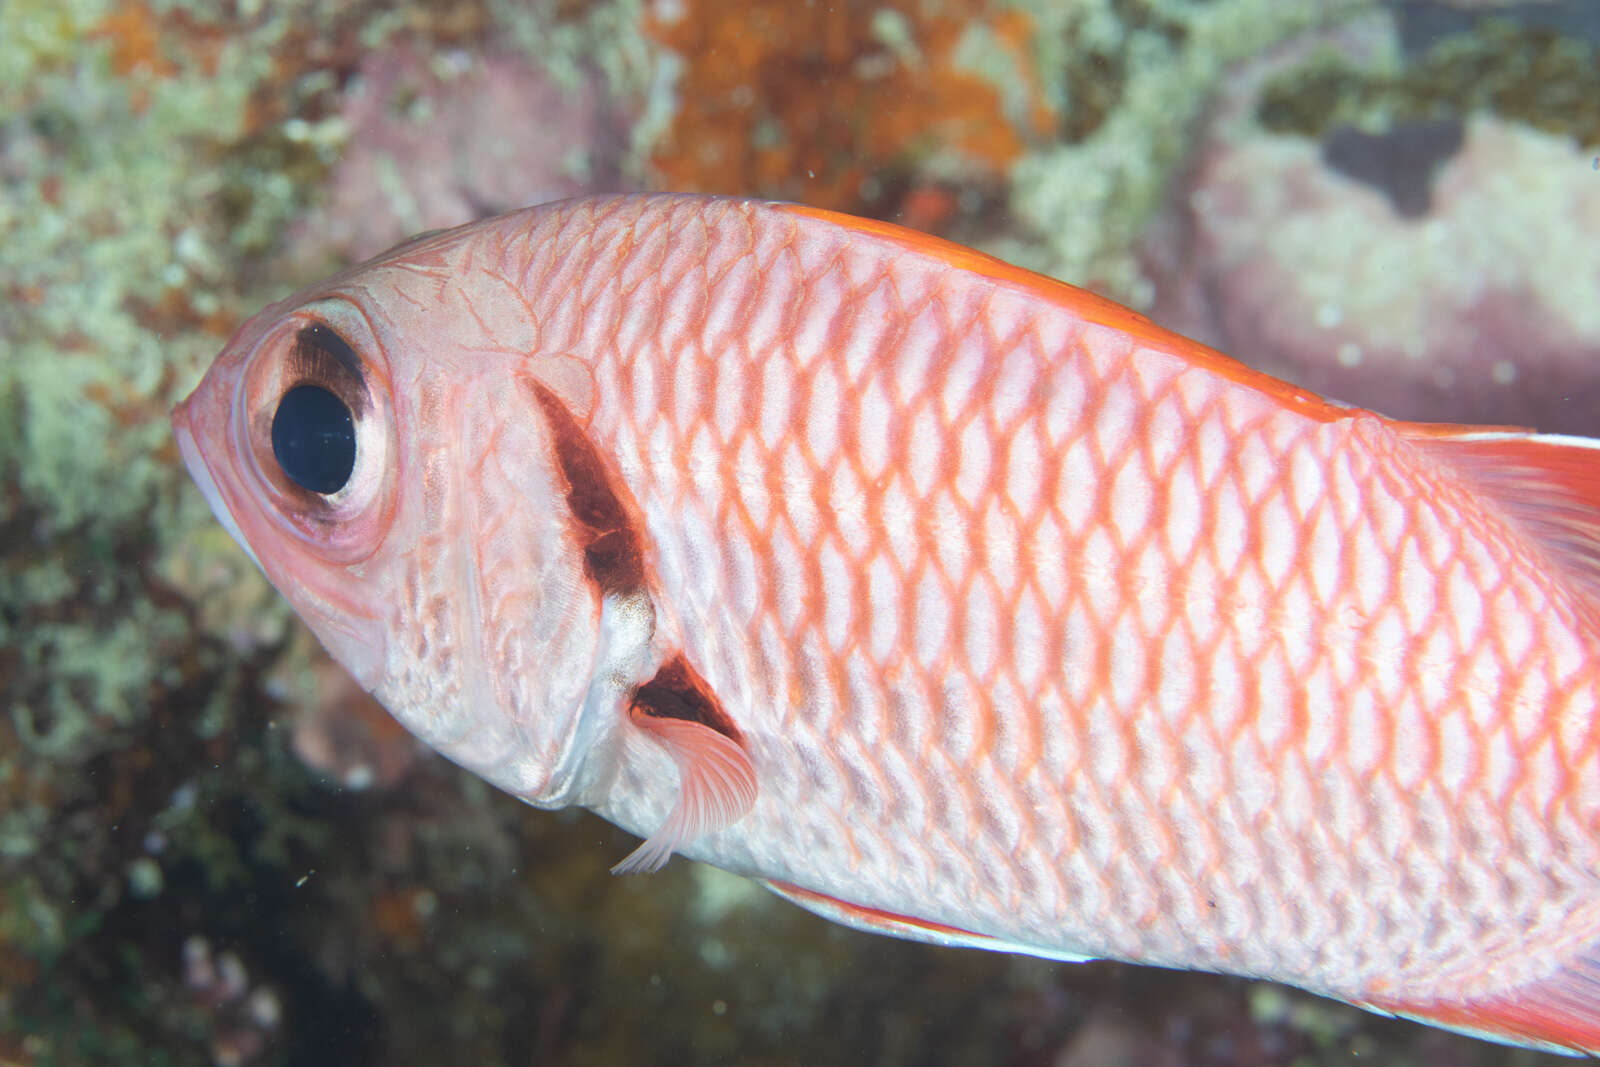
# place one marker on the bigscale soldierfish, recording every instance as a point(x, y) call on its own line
point(947, 600)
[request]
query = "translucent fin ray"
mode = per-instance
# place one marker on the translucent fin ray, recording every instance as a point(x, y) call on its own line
point(1549, 484)
point(716, 787)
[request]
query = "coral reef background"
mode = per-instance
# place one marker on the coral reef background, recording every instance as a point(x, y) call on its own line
point(214, 850)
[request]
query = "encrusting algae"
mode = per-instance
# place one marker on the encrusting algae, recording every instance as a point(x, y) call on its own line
point(841, 107)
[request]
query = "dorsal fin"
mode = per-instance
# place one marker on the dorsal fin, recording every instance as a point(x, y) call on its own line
point(1088, 306)
point(1548, 483)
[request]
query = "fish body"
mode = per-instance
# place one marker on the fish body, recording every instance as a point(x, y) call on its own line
point(947, 600)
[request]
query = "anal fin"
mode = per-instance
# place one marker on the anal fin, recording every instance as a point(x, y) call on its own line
point(911, 928)
point(1559, 1013)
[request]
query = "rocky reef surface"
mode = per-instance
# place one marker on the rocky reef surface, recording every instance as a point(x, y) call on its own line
point(213, 850)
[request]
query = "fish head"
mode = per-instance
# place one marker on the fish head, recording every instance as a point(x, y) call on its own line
point(386, 466)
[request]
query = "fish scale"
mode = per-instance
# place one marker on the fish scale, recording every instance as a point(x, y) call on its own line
point(1129, 767)
point(986, 612)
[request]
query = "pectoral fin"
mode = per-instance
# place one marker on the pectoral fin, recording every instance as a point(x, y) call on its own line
point(716, 780)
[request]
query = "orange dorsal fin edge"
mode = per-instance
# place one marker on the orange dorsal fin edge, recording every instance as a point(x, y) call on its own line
point(1547, 483)
point(1088, 306)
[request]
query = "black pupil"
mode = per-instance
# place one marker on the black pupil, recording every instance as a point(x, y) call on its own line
point(314, 439)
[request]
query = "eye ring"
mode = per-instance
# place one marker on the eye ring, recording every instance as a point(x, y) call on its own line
point(316, 423)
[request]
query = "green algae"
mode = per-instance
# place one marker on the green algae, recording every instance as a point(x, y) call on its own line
point(117, 281)
point(1531, 74)
point(1131, 79)
point(148, 172)
point(117, 253)
point(39, 35)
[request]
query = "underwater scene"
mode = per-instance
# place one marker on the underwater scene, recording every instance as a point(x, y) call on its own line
point(218, 848)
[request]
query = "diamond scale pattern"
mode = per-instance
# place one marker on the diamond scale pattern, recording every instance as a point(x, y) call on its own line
point(1060, 636)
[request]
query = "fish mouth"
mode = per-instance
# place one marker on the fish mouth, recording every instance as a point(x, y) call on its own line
point(201, 473)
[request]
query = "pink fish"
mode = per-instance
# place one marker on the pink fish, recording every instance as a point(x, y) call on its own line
point(947, 600)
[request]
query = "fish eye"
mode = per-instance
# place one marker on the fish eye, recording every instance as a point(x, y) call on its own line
point(314, 439)
point(314, 425)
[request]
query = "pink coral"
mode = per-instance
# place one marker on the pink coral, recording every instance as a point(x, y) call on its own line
point(243, 1019)
point(1478, 307)
point(435, 141)
point(340, 731)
